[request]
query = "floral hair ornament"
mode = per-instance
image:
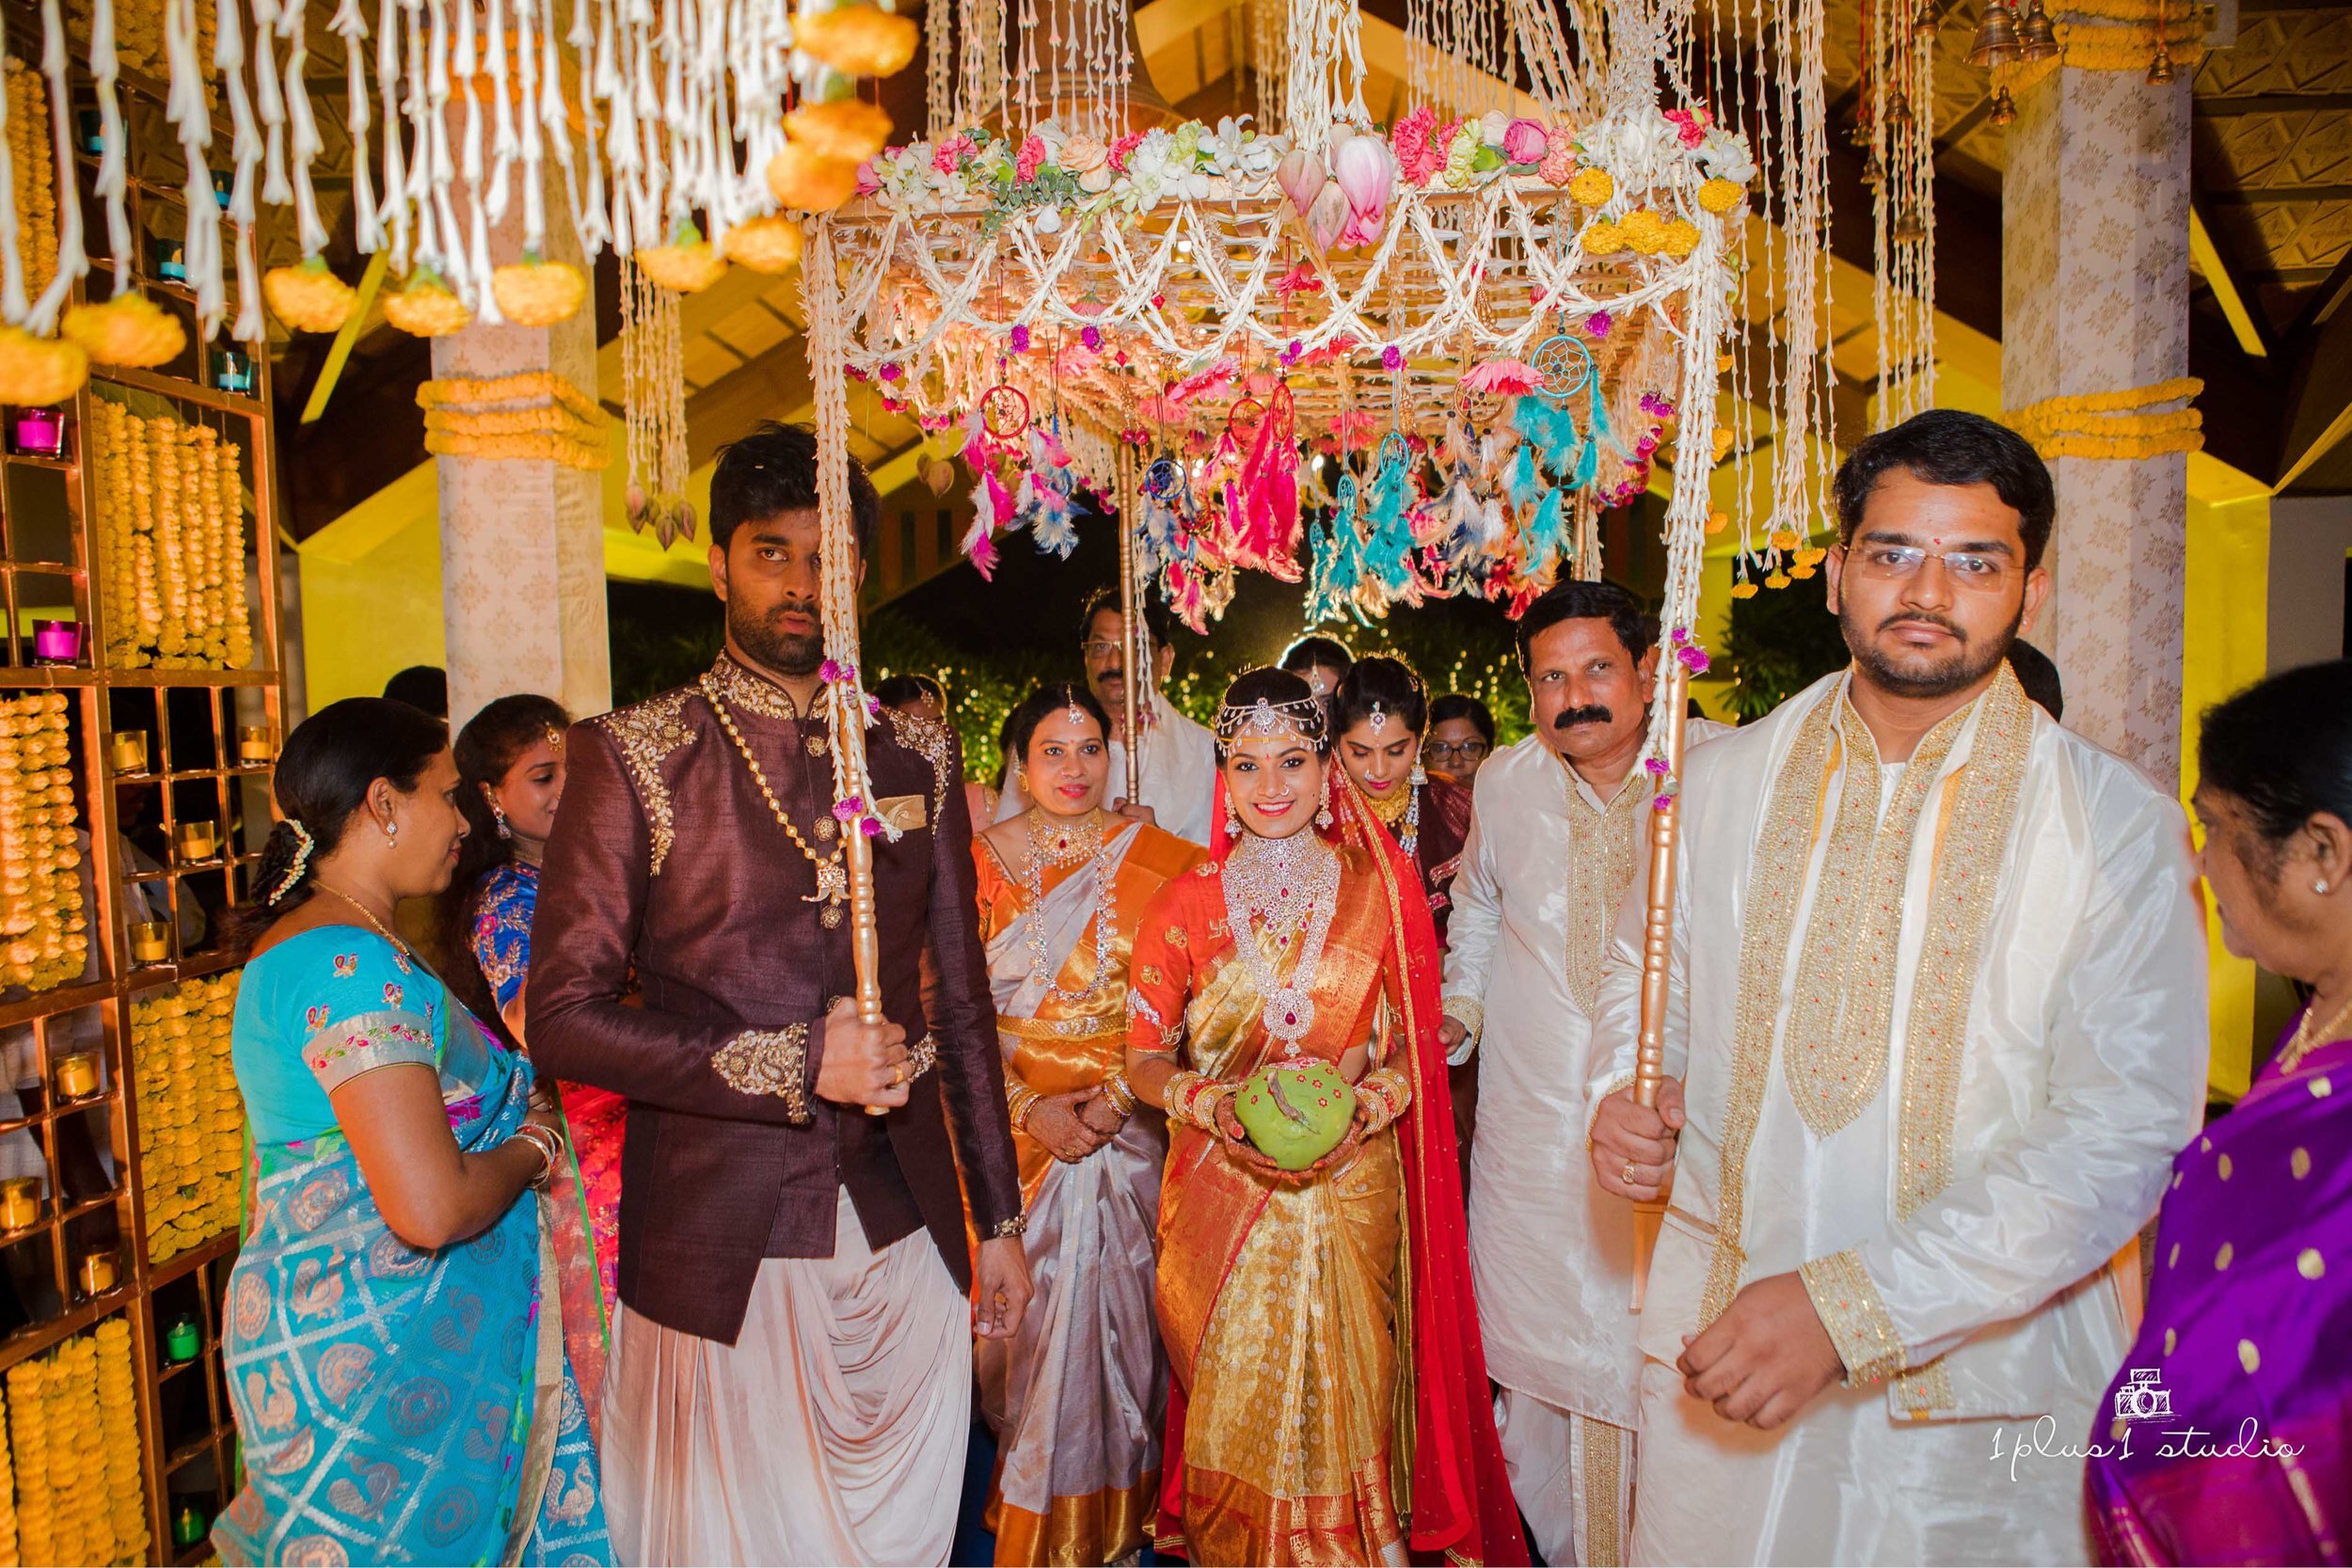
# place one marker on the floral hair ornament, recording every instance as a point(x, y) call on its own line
point(1302, 716)
point(304, 844)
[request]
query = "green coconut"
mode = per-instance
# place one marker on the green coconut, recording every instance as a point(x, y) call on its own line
point(1295, 1112)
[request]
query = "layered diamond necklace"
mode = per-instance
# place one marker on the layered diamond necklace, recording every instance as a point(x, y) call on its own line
point(1289, 889)
point(1069, 844)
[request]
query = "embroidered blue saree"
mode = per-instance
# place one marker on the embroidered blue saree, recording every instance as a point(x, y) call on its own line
point(396, 1406)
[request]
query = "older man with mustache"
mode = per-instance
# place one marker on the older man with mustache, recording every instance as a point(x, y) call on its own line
point(1555, 842)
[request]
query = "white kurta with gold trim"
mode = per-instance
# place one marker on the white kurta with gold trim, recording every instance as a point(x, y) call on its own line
point(1955, 1184)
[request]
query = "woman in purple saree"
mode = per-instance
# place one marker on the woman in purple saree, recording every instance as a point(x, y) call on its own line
point(2230, 1425)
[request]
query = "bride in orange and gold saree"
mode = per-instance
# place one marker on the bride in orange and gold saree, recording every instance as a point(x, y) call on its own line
point(1076, 1397)
point(1330, 1402)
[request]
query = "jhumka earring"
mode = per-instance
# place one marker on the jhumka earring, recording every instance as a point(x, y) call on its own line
point(1233, 821)
point(498, 814)
point(1323, 815)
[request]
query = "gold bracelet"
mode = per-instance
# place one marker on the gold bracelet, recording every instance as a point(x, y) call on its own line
point(1020, 1100)
point(550, 1144)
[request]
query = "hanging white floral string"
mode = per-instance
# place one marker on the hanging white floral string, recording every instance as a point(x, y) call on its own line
point(12, 300)
point(350, 25)
point(192, 119)
point(246, 150)
point(72, 262)
point(111, 184)
point(302, 126)
point(269, 101)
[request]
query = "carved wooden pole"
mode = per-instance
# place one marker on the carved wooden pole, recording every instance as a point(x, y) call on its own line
point(1649, 1059)
point(1138, 665)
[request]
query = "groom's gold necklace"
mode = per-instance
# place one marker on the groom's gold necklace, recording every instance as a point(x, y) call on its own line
point(832, 877)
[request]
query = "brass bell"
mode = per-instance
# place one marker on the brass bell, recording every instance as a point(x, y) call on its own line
point(2160, 69)
point(1898, 111)
point(1924, 25)
point(1908, 227)
point(1996, 35)
point(1871, 173)
point(2003, 107)
point(2036, 38)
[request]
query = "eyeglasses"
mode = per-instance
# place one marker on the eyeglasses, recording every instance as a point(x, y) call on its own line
point(1901, 562)
point(1101, 647)
point(1469, 750)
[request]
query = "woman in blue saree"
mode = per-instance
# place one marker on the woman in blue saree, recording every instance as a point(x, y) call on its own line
point(392, 1338)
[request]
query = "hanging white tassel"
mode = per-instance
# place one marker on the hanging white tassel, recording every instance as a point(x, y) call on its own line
point(503, 147)
point(303, 129)
point(72, 262)
point(393, 213)
point(269, 98)
point(112, 185)
point(12, 303)
point(367, 222)
point(193, 120)
point(441, 166)
point(417, 104)
point(229, 62)
point(526, 140)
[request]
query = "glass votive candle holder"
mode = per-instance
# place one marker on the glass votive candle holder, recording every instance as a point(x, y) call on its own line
point(224, 184)
point(197, 841)
point(171, 261)
point(75, 1075)
point(183, 1339)
point(188, 1524)
point(129, 751)
point(96, 1273)
point(151, 942)
point(233, 369)
point(89, 132)
point(255, 743)
point(56, 642)
point(36, 432)
point(20, 1203)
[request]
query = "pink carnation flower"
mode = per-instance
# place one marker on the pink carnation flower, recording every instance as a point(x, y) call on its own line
point(1031, 159)
point(1417, 158)
point(946, 156)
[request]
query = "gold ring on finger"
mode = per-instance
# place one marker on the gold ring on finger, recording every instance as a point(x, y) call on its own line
point(1626, 1175)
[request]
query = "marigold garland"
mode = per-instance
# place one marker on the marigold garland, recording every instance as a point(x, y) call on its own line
point(534, 416)
point(2107, 424)
point(36, 164)
point(73, 1484)
point(171, 546)
point(191, 1121)
point(44, 931)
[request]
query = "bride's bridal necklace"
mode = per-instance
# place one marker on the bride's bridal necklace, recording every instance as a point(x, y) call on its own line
point(1288, 888)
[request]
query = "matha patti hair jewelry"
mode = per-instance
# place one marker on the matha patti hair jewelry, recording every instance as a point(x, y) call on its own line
point(1301, 716)
point(304, 844)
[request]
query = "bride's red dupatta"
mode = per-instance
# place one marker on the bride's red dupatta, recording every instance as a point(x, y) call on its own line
point(1461, 1503)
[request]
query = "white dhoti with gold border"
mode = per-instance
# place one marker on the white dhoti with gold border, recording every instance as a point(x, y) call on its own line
point(832, 1431)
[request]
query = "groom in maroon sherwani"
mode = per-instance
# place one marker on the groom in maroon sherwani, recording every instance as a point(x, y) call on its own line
point(791, 1374)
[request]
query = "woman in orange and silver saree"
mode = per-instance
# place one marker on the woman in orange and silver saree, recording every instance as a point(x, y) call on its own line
point(1076, 1397)
point(1330, 1402)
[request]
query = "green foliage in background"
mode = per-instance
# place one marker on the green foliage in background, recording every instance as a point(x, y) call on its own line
point(980, 692)
point(662, 639)
point(1781, 641)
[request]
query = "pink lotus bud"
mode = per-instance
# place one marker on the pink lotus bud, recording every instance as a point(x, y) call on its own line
point(1327, 216)
point(871, 827)
point(1524, 142)
point(847, 810)
point(1301, 178)
point(1366, 171)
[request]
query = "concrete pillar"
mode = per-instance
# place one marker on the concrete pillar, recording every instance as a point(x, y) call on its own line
point(2094, 286)
point(522, 540)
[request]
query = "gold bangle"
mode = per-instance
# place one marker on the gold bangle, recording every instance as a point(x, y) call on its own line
point(1120, 1093)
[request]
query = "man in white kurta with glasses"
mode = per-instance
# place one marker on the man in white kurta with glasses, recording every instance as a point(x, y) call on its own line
point(1936, 1028)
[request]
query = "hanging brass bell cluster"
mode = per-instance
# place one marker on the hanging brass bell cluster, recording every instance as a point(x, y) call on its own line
point(1996, 42)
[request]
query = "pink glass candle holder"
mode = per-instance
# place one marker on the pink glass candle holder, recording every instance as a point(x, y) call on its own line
point(56, 642)
point(36, 432)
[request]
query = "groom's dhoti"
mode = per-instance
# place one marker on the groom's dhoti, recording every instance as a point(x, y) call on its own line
point(832, 1431)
